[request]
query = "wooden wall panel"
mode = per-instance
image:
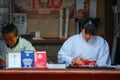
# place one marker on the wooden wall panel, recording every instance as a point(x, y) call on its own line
point(101, 15)
point(41, 20)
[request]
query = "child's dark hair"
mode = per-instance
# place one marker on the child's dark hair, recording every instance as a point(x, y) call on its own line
point(90, 25)
point(10, 28)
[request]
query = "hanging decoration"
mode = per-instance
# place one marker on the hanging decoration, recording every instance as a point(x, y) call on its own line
point(39, 2)
point(33, 4)
point(56, 6)
point(49, 4)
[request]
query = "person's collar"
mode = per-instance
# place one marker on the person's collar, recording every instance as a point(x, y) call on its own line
point(89, 41)
point(81, 35)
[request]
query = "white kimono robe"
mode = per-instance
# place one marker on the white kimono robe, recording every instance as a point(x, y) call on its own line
point(96, 49)
point(23, 44)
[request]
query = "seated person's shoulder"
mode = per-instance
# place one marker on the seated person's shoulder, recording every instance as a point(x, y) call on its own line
point(26, 43)
point(73, 37)
point(2, 41)
point(23, 40)
point(101, 40)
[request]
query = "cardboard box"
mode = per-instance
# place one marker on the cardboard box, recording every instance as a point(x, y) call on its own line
point(27, 59)
point(40, 59)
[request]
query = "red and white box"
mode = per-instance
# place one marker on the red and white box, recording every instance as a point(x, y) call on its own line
point(40, 59)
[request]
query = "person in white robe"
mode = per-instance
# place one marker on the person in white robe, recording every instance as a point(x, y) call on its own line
point(86, 46)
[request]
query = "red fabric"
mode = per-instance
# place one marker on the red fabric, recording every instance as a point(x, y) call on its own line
point(85, 63)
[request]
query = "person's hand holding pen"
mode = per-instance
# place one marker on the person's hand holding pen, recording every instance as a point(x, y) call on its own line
point(78, 60)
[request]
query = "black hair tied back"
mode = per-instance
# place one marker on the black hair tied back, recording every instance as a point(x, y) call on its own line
point(90, 25)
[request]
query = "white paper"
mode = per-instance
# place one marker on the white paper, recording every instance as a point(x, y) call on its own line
point(93, 8)
point(66, 23)
point(79, 4)
point(20, 20)
point(56, 66)
point(61, 23)
point(13, 60)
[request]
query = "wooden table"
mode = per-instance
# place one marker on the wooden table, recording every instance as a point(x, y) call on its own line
point(59, 74)
point(48, 41)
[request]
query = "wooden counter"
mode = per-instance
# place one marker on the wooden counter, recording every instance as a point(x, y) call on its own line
point(47, 41)
point(60, 74)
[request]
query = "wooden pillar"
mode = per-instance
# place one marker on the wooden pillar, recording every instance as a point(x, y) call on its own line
point(109, 26)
